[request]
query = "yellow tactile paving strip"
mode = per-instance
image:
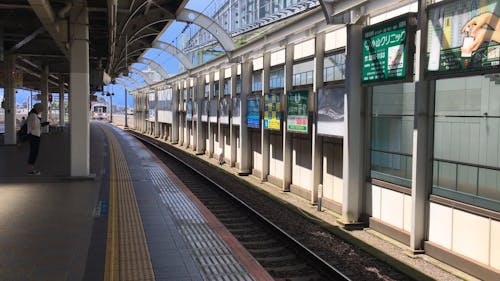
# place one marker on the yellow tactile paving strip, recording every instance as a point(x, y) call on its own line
point(127, 254)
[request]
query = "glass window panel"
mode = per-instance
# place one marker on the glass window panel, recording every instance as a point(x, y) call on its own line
point(257, 81)
point(467, 136)
point(207, 90)
point(276, 78)
point(334, 66)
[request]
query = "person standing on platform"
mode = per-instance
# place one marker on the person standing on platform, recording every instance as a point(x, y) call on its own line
point(34, 132)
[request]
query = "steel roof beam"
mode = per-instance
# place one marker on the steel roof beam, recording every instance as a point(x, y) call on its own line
point(164, 46)
point(156, 66)
point(144, 76)
point(187, 15)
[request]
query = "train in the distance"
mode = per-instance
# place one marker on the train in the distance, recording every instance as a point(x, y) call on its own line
point(99, 111)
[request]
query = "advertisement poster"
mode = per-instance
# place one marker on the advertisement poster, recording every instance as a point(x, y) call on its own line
point(236, 113)
point(253, 113)
point(386, 56)
point(212, 115)
point(463, 36)
point(152, 107)
point(272, 111)
point(331, 111)
point(224, 111)
point(204, 111)
point(195, 111)
point(297, 111)
point(189, 110)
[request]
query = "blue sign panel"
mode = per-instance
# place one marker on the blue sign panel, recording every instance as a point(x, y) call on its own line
point(253, 114)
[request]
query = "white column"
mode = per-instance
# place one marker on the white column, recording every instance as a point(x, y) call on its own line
point(79, 81)
point(317, 141)
point(9, 102)
point(353, 170)
point(126, 109)
point(199, 138)
point(44, 88)
point(265, 137)
point(287, 137)
point(174, 137)
point(219, 151)
point(232, 129)
point(423, 135)
point(246, 88)
point(61, 101)
point(210, 128)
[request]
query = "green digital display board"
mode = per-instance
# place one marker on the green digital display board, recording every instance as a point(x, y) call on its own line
point(297, 111)
point(387, 54)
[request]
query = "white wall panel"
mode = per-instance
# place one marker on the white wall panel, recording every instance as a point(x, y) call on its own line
point(336, 39)
point(495, 244)
point(376, 200)
point(440, 225)
point(394, 13)
point(301, 163)
point(227, 73)
point(471, 234)
point(276, 156)
point(278, 57)
point(304, 49)
point(392, 209)
point(258, 63)
point(407, 213)
point(216, 76)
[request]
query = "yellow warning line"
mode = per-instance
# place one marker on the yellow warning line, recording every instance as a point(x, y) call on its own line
point(127, 254)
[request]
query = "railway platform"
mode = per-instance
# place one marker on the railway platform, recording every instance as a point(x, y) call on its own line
point(132, 219)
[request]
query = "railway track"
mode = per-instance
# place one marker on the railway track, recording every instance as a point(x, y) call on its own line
point(280, 254)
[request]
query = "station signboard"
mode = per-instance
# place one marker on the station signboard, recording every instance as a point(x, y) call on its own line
point(272, 111)
point(463, 38)
point(253, 112)
point(388, 50)
point(297, 111)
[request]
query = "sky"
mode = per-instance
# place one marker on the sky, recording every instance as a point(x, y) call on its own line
point(169, 62)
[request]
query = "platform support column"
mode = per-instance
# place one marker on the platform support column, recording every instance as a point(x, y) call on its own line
point(199, 139)
point(126, 108)
point(44, 87)
point(156, 124)
point(354, 149)
point(317, 141)
point(174, 137)
point(61, 101)
point(287, 136)
point(9, 102)
point(246, 88)
point(265, 136)
point(232, 136)
point(80, 89)
point(210, 127)
point(221, 134)
point(423, 135)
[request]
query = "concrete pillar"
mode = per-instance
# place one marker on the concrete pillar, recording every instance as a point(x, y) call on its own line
point(423, 136)
point(232, 129)
point(79, 81)
point(210, 127)
point(181, 115)
point(44, 88)
point(246, 88)
point(174, 137)
point(264, 136)
point(9, 102)
point(126, 109)
point(219, 151)
point(61, 101)
point(353, 170)
point(317, 141)
point(156, 125)
point(200, 140)
point(287, 137)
